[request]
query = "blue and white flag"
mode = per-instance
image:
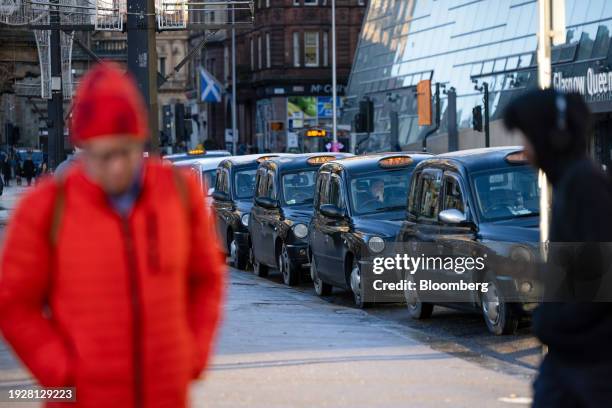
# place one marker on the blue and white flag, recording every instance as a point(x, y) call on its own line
point(210, 87)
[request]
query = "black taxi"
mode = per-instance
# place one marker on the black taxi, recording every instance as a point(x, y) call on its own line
point(483, 205)
point(359, 204)
point(232, 201)
point(281, 211)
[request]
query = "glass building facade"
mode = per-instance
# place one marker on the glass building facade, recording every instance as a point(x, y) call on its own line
point(462, 44)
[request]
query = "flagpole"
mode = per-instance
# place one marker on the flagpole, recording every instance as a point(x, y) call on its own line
point(234, 130)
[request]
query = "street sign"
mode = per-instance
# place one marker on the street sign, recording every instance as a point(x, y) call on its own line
point(292, 140)
point(229, 137)
point(210, 87)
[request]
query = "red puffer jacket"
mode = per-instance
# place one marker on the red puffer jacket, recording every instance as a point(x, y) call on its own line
point(125, 310)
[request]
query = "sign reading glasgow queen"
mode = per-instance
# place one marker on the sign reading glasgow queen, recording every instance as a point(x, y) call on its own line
point(592, 84)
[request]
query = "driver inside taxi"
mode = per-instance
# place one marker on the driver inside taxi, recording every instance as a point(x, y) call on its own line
point(377, 190)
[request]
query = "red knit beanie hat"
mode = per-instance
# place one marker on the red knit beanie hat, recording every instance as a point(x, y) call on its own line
point(107, 102)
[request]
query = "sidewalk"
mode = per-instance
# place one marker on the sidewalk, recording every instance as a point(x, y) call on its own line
point(9, 199)
point(280, 348)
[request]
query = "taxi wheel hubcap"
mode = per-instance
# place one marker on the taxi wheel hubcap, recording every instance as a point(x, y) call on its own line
point(233, 252)
point(284, 262)
point(491, 304)
point(314, 276)
point(313, 272)
point(356, 282)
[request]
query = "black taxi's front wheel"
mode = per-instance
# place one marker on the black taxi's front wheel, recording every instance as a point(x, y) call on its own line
point(417, 309)
point(239, 257)
point(497, 313)
point(321, 288)
point(357, 286)
point(288, 269)
point(259, 269)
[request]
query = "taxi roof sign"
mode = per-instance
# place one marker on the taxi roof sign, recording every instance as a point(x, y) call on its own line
point(395, 161)
point(517, 157)
point(320, 160)
point(196, 151)
point(264, 158)
point(316, 133)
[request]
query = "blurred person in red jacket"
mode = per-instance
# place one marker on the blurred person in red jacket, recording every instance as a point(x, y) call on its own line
point(110, 280)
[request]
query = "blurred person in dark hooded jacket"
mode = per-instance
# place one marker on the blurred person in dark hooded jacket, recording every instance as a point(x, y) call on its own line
point(577, 370)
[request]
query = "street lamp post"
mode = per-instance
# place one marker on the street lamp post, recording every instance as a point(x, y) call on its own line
point(334, 147)
point(234, 130)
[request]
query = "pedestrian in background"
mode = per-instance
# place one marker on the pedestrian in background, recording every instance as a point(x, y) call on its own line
point(29, 169)
point(577, 370)
point(18, 170)
point(6, 170)
point(111, 280)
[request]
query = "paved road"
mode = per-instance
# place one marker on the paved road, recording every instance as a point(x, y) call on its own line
point(285, 347)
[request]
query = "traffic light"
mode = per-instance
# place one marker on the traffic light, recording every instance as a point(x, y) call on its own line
point(477, 118)
point(364, 120)
point(179, 122)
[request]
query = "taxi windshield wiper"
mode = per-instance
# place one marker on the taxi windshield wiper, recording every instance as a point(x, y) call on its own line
point(393, 208)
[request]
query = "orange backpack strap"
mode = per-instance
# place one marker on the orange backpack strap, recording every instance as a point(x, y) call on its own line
point(58, 211)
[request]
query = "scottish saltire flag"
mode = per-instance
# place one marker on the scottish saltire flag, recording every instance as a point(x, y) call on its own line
point(210, 87)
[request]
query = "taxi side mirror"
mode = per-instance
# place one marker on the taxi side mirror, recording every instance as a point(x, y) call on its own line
point(332, 211)
point(267, 202)
point(452, 216)
point(220, 196)
point(455, 217)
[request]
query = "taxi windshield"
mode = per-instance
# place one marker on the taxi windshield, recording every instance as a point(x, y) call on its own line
point(380, 191)
point(244, 183)
point(507, 193)
point(209, 177)
point(298, 187)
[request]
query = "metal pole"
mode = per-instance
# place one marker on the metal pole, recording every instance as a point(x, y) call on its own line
point(486, 114)
point(142, 58)
point(55, 106)
point(544, 80)
point(334, 80)
point(234, 130)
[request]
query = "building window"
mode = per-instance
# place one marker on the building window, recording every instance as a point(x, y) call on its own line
point(260, 52)
point(268, 52)
point(267, 3)
point(162, 66)
point(252, 54)
point(325, 48)
point(361, 2)
point(296, 49)
point(311, 49)
point(310, 2)
point(296, 2)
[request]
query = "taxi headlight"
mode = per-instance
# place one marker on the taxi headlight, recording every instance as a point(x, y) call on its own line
point(521, 254)
point(376, 244)
point(244, 219)
point(300, 231)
